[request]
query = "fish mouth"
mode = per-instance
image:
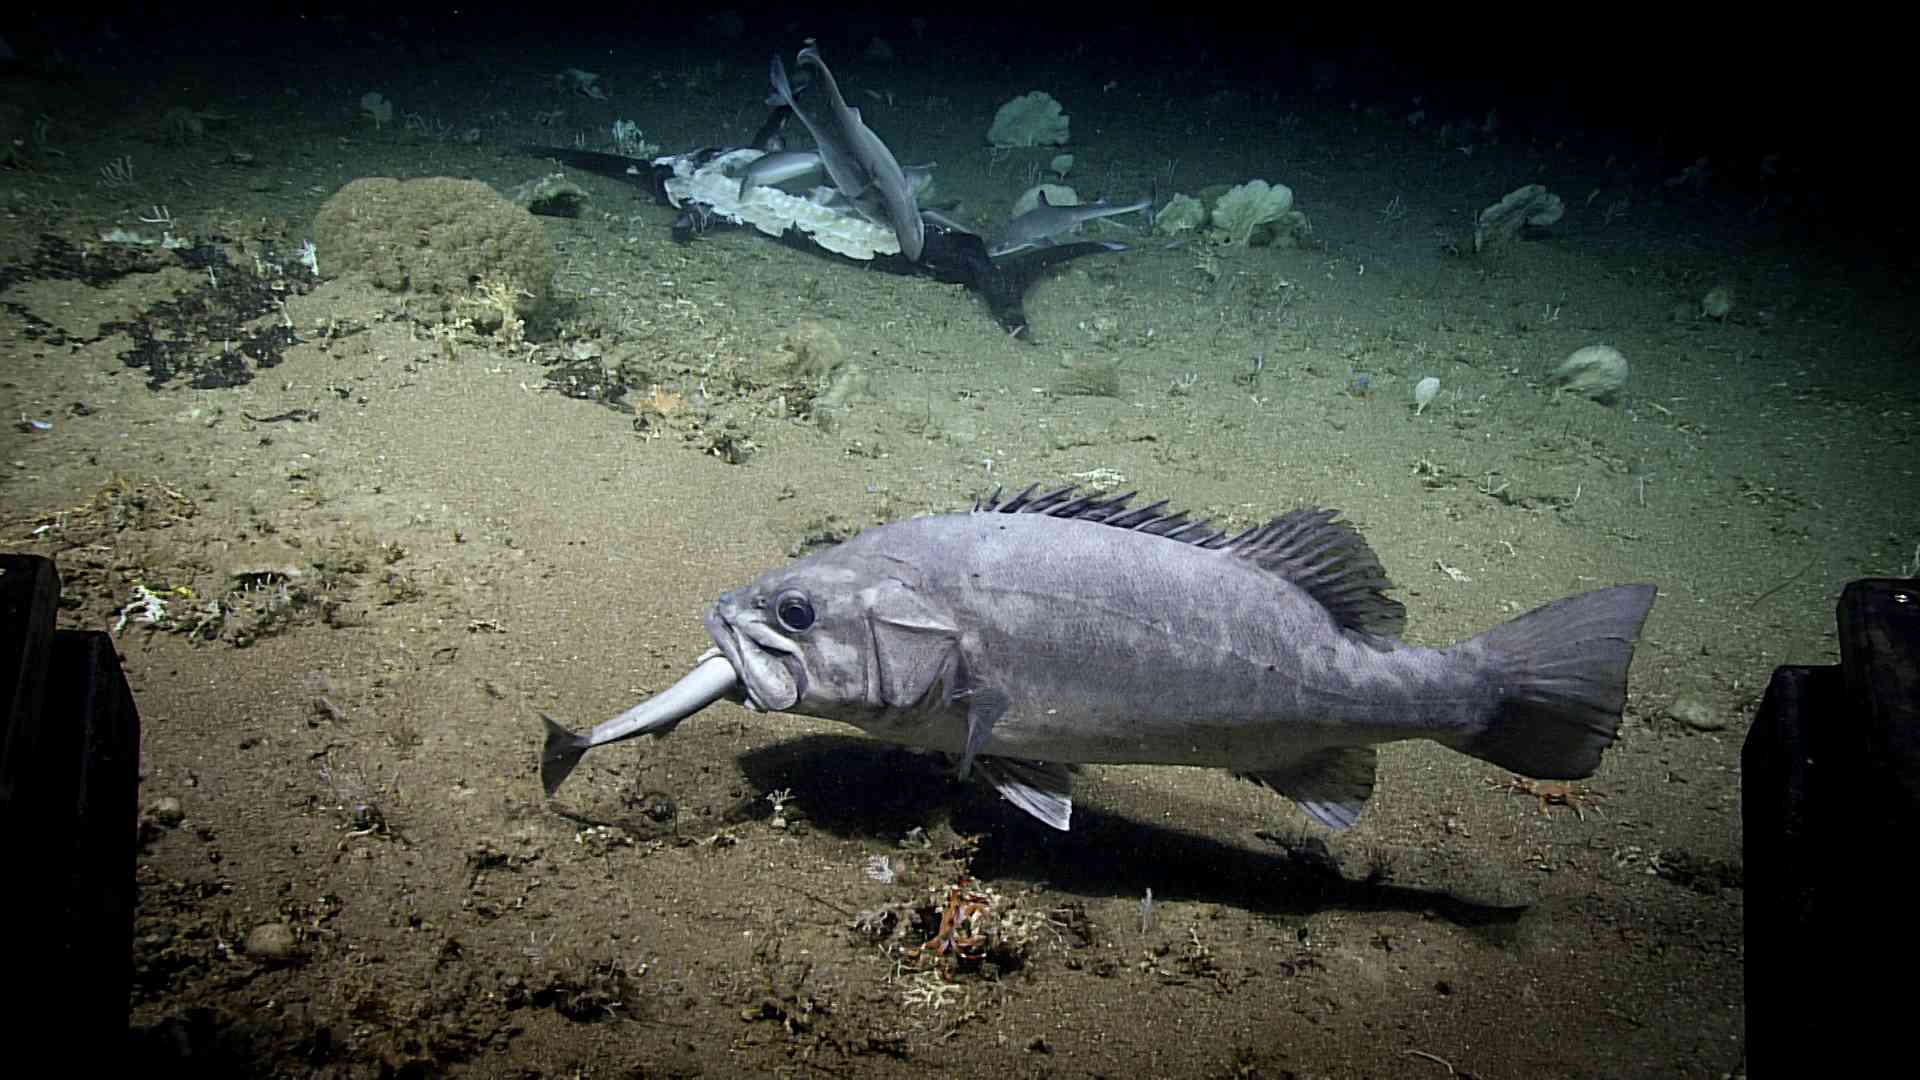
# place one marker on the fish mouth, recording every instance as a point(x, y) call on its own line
point(766, 661)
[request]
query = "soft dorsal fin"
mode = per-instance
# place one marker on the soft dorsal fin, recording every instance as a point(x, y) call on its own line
point(1311, 548)
point(1332, 562)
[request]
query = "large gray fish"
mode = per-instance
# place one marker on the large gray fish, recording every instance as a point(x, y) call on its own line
point(1044, 631)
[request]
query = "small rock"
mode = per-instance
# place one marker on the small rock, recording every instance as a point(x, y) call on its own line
point(1696, 714)
point(167, 811)
point(272, 942)
point(1718, 303)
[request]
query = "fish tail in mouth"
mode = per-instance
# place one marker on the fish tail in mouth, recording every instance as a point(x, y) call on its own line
point(563, 751)
point(710, 680)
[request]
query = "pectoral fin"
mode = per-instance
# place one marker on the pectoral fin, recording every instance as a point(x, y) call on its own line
point(984, 709)
point(1332, 786)
point(1041, 788)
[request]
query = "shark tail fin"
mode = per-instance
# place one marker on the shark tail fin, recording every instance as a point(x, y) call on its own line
point(1563, 672)
point(563, 751)
point(782, 89)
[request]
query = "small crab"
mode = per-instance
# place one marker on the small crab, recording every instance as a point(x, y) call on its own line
point(962, 934)
point(1576, 797)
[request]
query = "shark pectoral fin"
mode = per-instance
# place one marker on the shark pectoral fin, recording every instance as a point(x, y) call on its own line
point(1332, 786)
point(563, 751)
point(1041, 788)
point(984, 709)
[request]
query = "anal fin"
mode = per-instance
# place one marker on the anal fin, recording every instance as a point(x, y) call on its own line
point(1332, 786)
point(1041, 788)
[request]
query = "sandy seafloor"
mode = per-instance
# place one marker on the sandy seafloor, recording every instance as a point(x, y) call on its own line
point(449, 548)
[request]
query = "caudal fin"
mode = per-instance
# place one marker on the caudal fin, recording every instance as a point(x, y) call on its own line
point(563, 751)
point(1563, 670)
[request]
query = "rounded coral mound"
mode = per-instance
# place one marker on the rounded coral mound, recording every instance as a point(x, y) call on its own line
point(443, 238)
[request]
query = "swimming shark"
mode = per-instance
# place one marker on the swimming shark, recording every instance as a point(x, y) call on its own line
point(779, 167)
point(1039, 226)
point(862, 167)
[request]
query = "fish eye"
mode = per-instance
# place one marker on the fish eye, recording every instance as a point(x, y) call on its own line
point(794, 611)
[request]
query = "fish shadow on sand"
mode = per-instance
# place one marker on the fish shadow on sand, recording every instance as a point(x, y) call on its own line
point(860, 789)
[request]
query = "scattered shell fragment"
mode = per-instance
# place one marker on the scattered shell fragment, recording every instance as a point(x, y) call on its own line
point(1424, 392)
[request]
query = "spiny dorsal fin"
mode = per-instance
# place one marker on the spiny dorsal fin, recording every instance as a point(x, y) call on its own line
point(1310, 548)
